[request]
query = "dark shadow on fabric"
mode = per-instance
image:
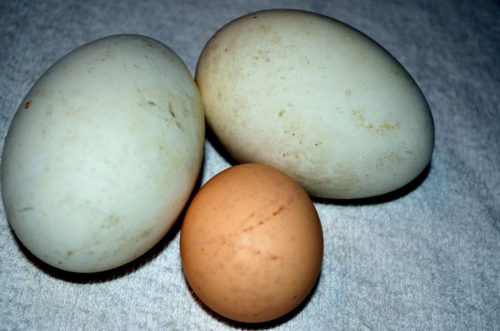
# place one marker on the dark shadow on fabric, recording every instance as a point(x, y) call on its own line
point(254, 326)
point(391, 196)
point(218, 146)
point(122, 271)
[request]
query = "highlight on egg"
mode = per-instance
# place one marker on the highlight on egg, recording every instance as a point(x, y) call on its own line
point(251, 243)
point(103, 153)
point(317, 99)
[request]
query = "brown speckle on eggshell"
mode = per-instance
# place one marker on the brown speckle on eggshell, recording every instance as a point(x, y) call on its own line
point(251, 244)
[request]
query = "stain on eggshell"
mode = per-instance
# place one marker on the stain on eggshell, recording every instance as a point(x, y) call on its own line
point(251, 244)
point(316, 77)
point(102, 154)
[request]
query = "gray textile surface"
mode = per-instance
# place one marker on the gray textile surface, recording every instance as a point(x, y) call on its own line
point(425, 258)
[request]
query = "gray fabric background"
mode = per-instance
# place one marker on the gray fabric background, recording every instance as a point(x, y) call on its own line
point(424, 258)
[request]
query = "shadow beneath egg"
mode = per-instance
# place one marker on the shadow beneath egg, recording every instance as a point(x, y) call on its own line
point(102, 276)
point(383, 198)
point(212, 138)
point(118, 272)
point(254, 326)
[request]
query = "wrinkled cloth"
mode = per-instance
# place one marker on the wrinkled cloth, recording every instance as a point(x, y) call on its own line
point(426, 257)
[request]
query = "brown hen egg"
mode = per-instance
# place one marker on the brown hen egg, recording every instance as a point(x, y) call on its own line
point(251, 244)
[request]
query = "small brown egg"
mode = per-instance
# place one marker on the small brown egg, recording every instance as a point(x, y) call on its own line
point(251, 244)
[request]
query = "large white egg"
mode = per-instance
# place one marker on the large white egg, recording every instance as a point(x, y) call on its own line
point(317, 99)
point(103, 153)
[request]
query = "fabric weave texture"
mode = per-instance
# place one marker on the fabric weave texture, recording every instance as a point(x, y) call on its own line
point(424, 258)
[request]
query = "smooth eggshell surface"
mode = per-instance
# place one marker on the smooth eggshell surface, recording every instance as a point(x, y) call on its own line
point(103, 153)
point(251, 243)
point(317, 99)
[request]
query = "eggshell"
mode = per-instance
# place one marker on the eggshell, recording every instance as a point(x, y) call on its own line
point(103, 153)
point(251, 243)
point(317, 99)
